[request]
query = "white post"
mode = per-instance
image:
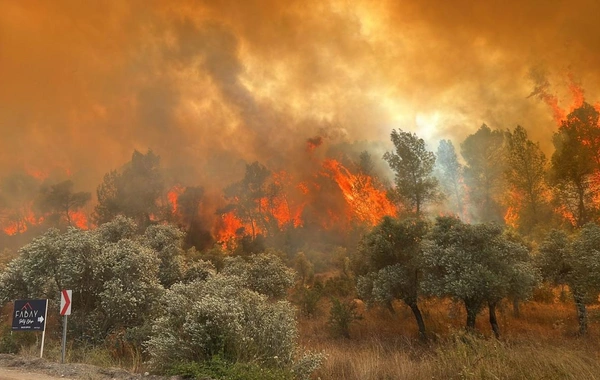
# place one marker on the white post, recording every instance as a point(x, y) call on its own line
point(64, 340)
point(44, 332)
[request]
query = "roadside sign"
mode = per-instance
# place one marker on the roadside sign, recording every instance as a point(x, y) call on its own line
point(65, 302)
point(29, 315)
point(65, 310)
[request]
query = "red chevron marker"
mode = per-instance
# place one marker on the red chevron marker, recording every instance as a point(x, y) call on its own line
point(65, 302)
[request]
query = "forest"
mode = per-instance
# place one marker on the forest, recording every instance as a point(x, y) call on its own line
point(392, 260)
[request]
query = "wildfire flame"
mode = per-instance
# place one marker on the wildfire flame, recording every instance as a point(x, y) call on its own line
point(366, 202)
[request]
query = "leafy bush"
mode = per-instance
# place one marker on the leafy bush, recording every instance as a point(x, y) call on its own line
point(308, 300)
point(342, 314)
point(221, 317)
point(263, 273)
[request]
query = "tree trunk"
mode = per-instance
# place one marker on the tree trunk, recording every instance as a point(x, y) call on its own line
point(472, 309)
point(581, 207)
point(493, 320)
point(581, 315)
point(415, 309)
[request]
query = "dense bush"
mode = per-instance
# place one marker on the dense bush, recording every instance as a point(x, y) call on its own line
point(263, 273)
point(220, 316)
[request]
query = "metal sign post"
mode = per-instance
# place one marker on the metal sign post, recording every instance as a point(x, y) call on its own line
point(65, 310)
point(30, 315)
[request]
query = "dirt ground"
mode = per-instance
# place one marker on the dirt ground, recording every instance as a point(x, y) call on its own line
point(26, 368)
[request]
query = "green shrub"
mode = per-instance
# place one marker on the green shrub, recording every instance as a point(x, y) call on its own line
point(342, 314)
point(308, 300)
point(221, 317)
point(8, 344)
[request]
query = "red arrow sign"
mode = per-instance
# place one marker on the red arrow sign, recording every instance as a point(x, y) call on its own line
point(65, 302)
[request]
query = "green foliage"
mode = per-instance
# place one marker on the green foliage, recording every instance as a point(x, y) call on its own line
point(389, 264)
point(264, 273)
point(220, 316)
point(167, 241)
point(114, 275)
point(308, 300)
point(394, 243)
point(476, 264)
point(413, 166)
point(341, 316)
point(575, 263)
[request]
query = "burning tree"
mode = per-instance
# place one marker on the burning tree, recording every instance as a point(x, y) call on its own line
point(526, 175)
point(60, 200)
point(576, 165)
point(413, 166)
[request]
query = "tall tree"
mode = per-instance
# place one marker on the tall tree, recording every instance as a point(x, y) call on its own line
point(390, 264)
point(526, 175)
point(413, 167)
point(477, 265)
point(189, 208)
point(247, 194)
point(133, 192)
point(61, 200)
point(574, 162)
point(450, 173)
point(483, 152)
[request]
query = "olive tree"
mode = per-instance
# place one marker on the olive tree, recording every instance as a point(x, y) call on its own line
point(575, 263)
point(390, 264)
point(114, 276)
point(477, 265)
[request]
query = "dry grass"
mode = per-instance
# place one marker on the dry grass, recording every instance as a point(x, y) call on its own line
point(541, 344)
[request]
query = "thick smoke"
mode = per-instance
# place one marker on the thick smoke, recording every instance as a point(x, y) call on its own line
point(209, 85)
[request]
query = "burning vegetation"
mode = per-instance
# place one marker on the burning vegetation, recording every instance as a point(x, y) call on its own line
point(499, 176)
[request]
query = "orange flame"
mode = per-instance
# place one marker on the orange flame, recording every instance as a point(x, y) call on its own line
point(79, 220)
point(366, 202)
point(228, 227)
point(173, 195)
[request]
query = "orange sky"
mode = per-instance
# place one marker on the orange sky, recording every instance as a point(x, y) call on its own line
point(211, 84)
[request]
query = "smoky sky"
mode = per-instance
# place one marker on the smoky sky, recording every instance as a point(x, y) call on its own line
point(209, 85)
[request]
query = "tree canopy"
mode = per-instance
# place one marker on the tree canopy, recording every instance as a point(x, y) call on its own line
point(477, 265)
point(413, 168)
point(390, 264)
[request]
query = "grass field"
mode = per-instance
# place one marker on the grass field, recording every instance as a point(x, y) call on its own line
point(541, 344)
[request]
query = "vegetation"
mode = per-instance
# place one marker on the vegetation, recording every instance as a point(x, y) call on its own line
point(168, 282)
point(476, 265)
point(391, 263)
